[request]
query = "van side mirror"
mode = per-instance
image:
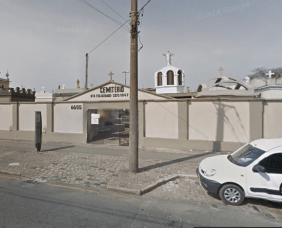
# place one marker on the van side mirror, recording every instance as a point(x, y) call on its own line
point(258, 169)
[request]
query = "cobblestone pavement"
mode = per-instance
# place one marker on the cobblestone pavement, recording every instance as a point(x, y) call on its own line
point(111, 172)
point(91, 170)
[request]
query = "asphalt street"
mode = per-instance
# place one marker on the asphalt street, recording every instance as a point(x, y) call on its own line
point(45, 205)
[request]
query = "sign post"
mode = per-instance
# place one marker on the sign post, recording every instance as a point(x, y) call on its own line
point(38, 131)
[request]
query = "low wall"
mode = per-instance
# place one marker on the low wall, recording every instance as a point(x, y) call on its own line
point(27, 116)
point(219, 121)
point(197, 124)
point(161, 120)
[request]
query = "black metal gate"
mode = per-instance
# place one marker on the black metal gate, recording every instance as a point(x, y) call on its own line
point(108, 126)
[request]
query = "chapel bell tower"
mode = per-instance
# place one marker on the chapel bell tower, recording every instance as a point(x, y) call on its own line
point(169, 79)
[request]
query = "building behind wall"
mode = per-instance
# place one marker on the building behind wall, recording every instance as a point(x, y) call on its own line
point(8, 94)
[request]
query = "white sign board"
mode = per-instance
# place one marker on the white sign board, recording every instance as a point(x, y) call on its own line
point(95, 118)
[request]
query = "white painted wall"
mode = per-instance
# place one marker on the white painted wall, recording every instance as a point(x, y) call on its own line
point(6, 116)
point(272, 120)
point(67, 120)
point(27, 116)
point(272, 94)
point(219, 121)
point(161, 119)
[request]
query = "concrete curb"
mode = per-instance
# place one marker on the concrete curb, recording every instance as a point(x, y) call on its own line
point(124, 190)
point(157, 184)
point(150, 187)
point(10, 173)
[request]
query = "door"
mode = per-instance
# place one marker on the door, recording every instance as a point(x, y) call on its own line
point(266, 184)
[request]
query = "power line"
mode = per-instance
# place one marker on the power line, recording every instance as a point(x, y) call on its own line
point(113, 10)
point(107, 37)
point(144, 6)
point(93, 7)
point(141, 12)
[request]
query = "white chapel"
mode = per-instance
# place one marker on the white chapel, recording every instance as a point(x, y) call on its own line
point(169, 79)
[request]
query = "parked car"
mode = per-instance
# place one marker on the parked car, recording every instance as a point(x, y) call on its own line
point(254, 170)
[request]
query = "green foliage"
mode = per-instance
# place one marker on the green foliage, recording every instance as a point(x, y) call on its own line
point(261, 73)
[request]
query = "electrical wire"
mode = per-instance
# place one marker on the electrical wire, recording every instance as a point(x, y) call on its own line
point(108, 37)
point(144, 6)
point(93, 7)
point(113, 10)
point(141, 13)
point(140, 43)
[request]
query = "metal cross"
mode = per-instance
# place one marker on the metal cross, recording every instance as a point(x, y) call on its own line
point(221, 70)
point(269, 74)
point(111, 74)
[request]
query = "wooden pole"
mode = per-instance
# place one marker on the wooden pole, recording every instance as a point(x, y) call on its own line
point(133, 131)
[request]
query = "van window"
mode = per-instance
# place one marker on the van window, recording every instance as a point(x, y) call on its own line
point(273, 163)
point(245, 155)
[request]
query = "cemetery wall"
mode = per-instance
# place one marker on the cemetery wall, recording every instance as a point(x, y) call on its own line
point(272, 124)
point(27, 116)
point(68, 118)
point(197, 124)
point(161, 120)
point(219, 121)
point(6, 117)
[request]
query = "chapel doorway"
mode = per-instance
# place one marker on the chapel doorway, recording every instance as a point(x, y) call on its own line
point(108, 126)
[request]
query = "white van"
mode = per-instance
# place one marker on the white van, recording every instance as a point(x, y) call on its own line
point(254, 170)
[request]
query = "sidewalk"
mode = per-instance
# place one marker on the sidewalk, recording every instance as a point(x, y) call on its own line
point(96, 166)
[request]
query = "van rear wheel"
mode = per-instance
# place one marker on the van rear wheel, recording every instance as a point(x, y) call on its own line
point(231, 194)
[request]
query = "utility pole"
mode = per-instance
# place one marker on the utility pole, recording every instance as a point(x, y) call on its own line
point(125, 72)
point(133, 130)
point(86, 71)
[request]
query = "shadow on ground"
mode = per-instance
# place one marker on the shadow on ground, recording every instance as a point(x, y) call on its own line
point(162, 164)
point(59, 148)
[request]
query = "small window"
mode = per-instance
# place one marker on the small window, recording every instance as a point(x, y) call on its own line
point(273, 163)
point(160, 80)
point(179, 77)
point(170, 78)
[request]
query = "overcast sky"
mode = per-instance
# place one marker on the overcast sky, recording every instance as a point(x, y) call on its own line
point(43, 42)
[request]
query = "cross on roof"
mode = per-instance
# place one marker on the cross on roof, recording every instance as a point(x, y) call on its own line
point(269, 74)
point(221, 70)
point(111, 75)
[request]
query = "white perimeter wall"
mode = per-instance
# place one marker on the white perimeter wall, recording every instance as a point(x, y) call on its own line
point(161, 120)
point(6, 116)
point(27, 116)
point(67, 120)
point(272, 120)
point(219, 121)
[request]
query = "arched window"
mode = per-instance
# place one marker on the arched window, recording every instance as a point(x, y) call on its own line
point(179, 77)
point(160, 76)
point(170, 77)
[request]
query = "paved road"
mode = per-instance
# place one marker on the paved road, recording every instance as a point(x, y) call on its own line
point(49, 205)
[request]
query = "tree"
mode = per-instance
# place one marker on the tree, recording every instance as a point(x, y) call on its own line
point(260, 73)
